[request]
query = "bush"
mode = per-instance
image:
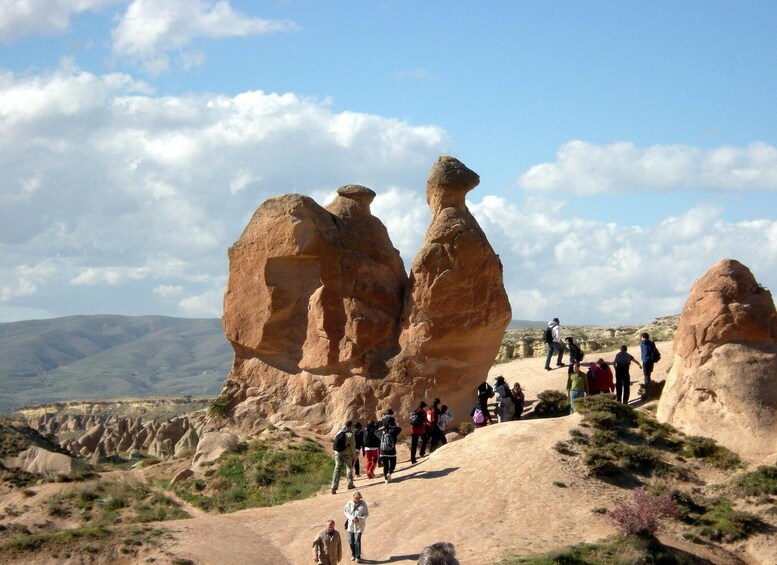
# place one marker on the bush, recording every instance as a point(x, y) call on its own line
point(641, 517)
point(466, 428)
point(762, 481)
point(708, 449)
point(219, 406)
point(551, 404)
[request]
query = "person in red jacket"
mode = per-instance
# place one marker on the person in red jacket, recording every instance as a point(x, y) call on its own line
point(600, 378)
point(417, 430)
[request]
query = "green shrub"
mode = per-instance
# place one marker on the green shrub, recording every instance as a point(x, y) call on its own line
point(466, 428)
point(721, 523)
point(219, 406)
point(551, 404)
point(700, 447)
point(762, 481)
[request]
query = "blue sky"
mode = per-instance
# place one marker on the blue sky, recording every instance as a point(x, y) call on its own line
point(623, 147)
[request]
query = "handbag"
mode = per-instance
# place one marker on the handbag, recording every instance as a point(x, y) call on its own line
point(345, 526)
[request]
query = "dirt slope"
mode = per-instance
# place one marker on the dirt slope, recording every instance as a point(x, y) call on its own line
point(502, 489)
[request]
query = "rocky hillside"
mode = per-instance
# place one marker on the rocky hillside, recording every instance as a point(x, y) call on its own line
point(110, 356)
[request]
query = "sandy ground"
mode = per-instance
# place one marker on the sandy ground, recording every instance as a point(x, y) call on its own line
point(502, 490)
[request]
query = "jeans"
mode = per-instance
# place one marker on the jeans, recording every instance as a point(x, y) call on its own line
point(554, 347)
point(622, 385)
point(647, 370)
point(355, 541)
point(574, 395)
point(389, 464)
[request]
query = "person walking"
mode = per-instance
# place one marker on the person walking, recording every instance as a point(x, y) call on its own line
point(358, 441)
point(371, 443)
point(577, 386)
point(622, 362)
point(648, 350)
point(345, 452)
point(356, 513)
point(327, 547)
point(388, 450)
point(445, 418)
point(417, 430)
point(433, 425)
point(555, 345)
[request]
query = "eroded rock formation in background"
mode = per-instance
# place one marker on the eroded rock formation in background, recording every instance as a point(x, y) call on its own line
point(723, 382)
point(327, 326)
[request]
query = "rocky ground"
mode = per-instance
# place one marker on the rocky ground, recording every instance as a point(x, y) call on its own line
point(504, 490)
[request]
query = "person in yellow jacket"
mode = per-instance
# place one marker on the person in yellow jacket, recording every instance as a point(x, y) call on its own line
point(577, 386)
point(327, 547)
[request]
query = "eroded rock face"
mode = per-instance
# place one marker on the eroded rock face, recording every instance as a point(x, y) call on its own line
point(723, 381)
point(326, 325)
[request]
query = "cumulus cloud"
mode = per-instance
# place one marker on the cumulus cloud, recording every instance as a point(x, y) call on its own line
point(22, 18)
point(583, 168)
point(597, 272)
point(150, 29)
point(128, 190)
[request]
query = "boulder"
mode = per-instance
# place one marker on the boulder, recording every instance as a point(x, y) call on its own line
point(723, 379)
point(40, 461)
point(187, 444)
point(212, 445)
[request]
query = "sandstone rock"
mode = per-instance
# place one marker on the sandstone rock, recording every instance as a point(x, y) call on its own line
point(181, 476)
point(212, 445)
point(318, 307)
point(187, 444)
point(46, 463)
point(92, 437)
point(723, 381)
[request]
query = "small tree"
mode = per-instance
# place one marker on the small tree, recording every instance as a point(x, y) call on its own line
point(641, 517)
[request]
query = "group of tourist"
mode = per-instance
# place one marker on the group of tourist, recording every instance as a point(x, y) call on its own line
point(377, 441)
point(509, 402)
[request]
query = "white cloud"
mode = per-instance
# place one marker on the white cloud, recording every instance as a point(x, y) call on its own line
point(150, 29)
point(205, 305)
point(21, 18)
point(132, 192)
point(168, 290)
point(597, 272)
point(583, 168)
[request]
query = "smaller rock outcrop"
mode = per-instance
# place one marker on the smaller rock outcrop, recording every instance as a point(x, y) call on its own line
point(723, 381)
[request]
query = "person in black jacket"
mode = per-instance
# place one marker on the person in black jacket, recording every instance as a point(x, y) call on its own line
point(575, 353)
point(358, 438)
point(371, 448)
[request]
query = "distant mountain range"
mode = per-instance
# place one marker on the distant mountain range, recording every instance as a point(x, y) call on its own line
point(82, 357)
point(85, 357)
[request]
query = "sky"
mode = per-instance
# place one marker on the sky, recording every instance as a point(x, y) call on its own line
point(623, 147)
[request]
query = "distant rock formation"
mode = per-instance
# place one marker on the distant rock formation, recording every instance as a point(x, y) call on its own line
point(326, 325)
point(723, 382)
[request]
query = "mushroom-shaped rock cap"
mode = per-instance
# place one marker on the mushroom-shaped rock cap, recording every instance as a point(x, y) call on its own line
point(449, 182)
point(357, 192)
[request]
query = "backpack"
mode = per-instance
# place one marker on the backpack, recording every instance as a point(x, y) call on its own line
point(485, 390)
point(431, 416)
point(340, 442)
point(547, 335)
point(655, 356)
point(387, 442)
point(478, 417)
point(416, 419)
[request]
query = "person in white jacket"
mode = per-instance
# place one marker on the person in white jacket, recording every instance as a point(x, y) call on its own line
point(356, 513)
point(555, 344)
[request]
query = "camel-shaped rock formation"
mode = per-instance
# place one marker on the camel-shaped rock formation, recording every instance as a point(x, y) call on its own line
point(326, 325)
point(723, 381)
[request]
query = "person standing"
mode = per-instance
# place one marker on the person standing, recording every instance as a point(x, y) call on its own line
point(433, 424)
point(577, 386)
point(601, 380)
point(575, 353)
point(445, 418)
point(388, 450)
point(327, 547)
point(345, 452)
point(518, 399)
point(622, 362)
point(555, 345)
point(371, 443)
point(356, 513)
point(505, 408)
point(417, 430)
point(647, 349)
